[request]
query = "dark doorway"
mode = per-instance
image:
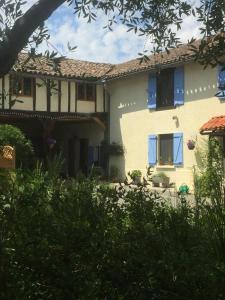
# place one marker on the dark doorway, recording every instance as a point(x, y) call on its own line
point(84, 156)
point(71, 157)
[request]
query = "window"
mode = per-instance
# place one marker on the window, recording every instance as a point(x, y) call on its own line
point(221, 83)
point(86, 92)
point(166, 89)
point(166, 149)
point(22, 86)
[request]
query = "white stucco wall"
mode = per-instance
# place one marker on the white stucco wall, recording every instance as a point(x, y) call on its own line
point(131, 121)
point(54, 98)
point(41, 100)
point(64, 96)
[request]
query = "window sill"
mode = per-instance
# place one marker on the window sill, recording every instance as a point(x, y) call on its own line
point(166, 107)
point(171, 167)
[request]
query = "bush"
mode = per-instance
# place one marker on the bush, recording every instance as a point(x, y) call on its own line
point(13, 136)
point(81, 240)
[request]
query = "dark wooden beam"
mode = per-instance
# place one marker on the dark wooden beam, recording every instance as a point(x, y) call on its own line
point(59, 95)
point(103, 98)
point(69, 95)
point(95, 95)
point(3, 92)
point(34, 93)
point(10, 91)
point(48, 95)
point(76, 96)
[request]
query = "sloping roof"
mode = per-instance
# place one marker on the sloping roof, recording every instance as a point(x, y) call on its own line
point(213, 125)
point(71, 68)
point(182, 53)
point(65, 67)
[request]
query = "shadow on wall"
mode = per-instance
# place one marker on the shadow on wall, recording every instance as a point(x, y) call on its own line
point(201, 155)
point(200, 83)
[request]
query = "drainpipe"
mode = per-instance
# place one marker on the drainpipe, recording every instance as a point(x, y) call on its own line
point(107, 131)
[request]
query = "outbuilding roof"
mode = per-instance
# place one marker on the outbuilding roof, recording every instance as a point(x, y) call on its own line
point(213, 125)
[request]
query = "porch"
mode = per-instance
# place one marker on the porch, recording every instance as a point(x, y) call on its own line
point(77, 136)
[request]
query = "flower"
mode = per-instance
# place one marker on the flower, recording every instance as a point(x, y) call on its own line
point(51, 142)
point(191, 144)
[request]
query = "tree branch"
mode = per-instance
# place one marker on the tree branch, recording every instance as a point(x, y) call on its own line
point(18, 36)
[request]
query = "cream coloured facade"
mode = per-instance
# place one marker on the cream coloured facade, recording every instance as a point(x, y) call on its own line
point(132, 121)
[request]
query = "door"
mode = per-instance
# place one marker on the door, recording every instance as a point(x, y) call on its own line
point(84, 156)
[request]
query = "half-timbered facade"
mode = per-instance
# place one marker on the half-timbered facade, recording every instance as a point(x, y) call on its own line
point(66, 103)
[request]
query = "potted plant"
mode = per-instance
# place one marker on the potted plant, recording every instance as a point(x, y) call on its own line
point(115, 149)
point(135, 175)
point(191, 144)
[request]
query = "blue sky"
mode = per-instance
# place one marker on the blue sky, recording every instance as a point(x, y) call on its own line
point(97, 44)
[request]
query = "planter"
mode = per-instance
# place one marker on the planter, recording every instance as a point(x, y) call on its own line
point(191, 144)
point(165, 182)
point(115, 149)
point(137, 180)
point(135, 175)
point(161, 180)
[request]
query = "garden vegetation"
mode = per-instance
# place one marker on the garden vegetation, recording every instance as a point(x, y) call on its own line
point(80, 239)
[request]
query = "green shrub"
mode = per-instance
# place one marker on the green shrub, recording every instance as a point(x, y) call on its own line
point(135, 173)
point(13, 136)
point(114, 173)
point(81, 240)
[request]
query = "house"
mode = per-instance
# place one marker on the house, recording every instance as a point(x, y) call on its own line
point(153, 109)
point(58, 103)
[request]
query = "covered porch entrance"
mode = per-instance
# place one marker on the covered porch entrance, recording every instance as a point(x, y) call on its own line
point(77, 136)
point(216, 127)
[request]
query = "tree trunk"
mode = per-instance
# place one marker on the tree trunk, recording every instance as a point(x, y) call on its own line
point(23, 28)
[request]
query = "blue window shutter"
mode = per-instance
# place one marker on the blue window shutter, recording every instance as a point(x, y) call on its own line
point(90, 156)
point(221, 83)
point(152, 91)
point(152, 150)
point(178, 149)
point(179, 86)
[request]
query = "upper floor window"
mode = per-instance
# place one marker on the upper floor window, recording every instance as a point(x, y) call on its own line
point(166, 89)
point(221, 83)
point(22, 86)
point(86, 91)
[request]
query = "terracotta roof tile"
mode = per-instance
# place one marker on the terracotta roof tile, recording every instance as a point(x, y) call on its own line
point(65, 67)
point(180, 54)
point(71, 68)
point(214, 124)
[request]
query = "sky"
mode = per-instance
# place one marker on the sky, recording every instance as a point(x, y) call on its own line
point(97, 44)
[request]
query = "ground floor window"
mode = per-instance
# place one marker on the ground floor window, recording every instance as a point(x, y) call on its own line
point(166, 149)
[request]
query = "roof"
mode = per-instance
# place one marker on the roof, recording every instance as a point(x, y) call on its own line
point(213, 125)
point(65, 67)
point(71, 68)
point(182, 53)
